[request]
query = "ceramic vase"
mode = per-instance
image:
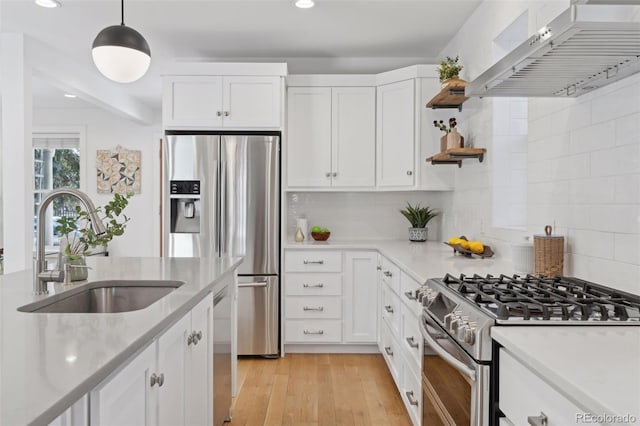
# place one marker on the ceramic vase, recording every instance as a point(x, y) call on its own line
point(418, 234)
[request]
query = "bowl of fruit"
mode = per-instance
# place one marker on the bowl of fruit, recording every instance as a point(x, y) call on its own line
point(320, 234)
point(469, 248)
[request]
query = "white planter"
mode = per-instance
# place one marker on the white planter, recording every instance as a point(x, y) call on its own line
point(418, 234)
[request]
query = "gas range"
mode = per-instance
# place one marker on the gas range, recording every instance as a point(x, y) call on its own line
point(466, 307)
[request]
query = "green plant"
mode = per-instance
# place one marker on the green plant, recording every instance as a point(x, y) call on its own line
point(418, 216)
point(440, 125)
point(449, 68)
point(81, 236)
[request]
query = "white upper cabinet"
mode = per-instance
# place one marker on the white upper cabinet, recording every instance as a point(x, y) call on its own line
point(353, 137)
point(395, 134)
point(221, 102)
point(331, 137)
point(309, 136)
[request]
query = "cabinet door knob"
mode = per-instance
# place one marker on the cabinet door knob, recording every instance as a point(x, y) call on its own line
point(409, 172)
point(226, 113)
point(161, 379)
point(388, 350)
point(199, 335)
point(379, 267)
point(219, 113)
point(388, 308)
point(387, 274)
point(335, 174)
point(328, 174)
point(540, 420)
point(412, 342)
point(153, 380)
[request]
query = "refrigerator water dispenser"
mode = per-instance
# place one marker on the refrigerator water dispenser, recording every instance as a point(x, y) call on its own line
point(185, 207)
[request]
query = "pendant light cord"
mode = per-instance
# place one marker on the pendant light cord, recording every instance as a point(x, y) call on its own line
point(121, 12)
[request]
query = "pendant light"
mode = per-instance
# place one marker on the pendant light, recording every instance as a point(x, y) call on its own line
point(121, 53)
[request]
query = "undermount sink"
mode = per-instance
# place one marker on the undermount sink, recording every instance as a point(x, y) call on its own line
point(105, 297)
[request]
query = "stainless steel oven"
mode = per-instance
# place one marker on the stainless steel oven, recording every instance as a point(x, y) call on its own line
point(455, 387)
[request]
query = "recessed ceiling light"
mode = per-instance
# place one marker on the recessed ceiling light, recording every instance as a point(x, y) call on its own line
point(48, 3)
point(69, 95)
point(305, 4)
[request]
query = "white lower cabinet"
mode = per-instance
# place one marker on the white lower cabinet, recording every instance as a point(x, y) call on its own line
point(168, 383)
point(524, 395)
point(76, 415)
point(326, 302)
point(400, 339)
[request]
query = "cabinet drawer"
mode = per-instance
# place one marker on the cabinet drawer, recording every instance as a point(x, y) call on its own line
point(313, 261)
point(408, 287)
point(412, 394)
point(391, 353)
point(524, 394)
point(313, 284)
point(313, 331)
point(411, 340)
point(390, 275)
point(299, 307)
point(391, 310)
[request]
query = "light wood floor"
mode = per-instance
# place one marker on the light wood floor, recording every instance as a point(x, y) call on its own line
point(317, 389)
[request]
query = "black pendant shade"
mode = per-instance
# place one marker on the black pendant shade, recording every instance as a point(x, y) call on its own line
point(121, 53)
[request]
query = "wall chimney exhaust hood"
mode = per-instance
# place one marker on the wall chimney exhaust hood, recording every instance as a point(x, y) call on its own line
point(589, 45)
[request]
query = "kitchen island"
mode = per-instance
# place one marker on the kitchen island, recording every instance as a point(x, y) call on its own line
point(48, 361)
point(594, 369)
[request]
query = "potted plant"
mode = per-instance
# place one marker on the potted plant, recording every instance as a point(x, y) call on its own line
point(452, 139)
point(80, 237)
point(418, 217)
point(449, 68)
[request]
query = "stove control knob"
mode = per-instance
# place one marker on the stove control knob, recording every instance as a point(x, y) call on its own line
point(447, 320)
point(462, 332)
point(470, 334)
point(456, 322)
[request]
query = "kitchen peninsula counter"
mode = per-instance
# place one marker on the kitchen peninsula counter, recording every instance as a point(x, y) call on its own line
point(597, 368)
point(421, 261)
point(48, 361)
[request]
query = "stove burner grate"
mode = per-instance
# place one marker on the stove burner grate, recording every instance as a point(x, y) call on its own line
point(558, 298)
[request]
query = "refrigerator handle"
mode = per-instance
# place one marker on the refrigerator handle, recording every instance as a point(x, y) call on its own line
point(223, 208)
point(216, 207)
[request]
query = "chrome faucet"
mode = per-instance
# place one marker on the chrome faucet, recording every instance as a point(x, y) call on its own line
point(41, 274)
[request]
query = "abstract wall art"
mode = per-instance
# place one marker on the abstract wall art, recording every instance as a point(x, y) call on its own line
point(118, 171)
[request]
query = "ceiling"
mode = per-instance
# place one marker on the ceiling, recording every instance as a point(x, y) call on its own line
point(356, 36)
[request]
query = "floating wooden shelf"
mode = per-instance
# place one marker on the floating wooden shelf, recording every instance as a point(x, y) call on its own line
point(450, 96)
point(456, 155)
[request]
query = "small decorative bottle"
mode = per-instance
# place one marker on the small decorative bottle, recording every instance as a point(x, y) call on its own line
point(299, 237)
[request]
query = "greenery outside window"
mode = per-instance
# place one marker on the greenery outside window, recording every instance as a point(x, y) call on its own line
point(56, 164)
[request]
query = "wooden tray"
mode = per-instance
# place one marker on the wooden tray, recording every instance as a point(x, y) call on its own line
point(457, 248)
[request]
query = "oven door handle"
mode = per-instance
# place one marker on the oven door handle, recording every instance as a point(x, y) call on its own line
point(450, 359)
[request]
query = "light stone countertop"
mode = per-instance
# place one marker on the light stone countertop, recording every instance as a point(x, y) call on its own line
point(48, 361)
point(595, 367)
point(430, 259)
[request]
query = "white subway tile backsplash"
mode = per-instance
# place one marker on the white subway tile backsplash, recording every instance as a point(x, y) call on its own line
point(628, 129)
point(616, 161)
point(591, 243)
point(592, 190)
point(593, 138)
point(627, 248)
point(616, 104)
point(570, 167)
point(552, 147)
point(623, 276)
point(619, 218)
point(627, 189)
point(539, 129)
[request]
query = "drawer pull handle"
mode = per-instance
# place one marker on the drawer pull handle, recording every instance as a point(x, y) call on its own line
point(310, 262)
point(411, 399)
point(412, 342)
point(307, 308)
point(319, 285)
point(320, 332)
point(379, 268)
point(409, 295)
point(540, 420)
point(387, 274)
point(388, 308)
point(388, 350)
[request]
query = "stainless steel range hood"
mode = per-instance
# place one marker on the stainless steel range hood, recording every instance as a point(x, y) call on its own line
point(586, 47)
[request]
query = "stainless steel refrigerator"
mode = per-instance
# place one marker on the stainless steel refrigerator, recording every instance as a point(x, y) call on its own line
point(222, 198)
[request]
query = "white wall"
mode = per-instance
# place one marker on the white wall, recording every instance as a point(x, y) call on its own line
point(105, 130)
point(583, 161)
point(363, 215)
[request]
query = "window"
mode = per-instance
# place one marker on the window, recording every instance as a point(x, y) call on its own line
point(56, 164)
